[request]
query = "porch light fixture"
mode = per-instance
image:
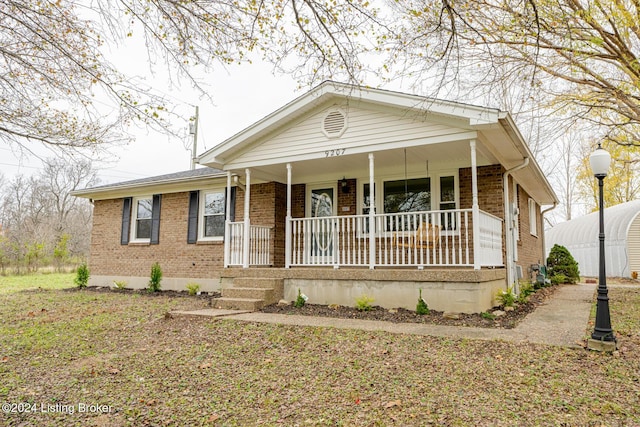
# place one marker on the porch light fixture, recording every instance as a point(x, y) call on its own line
point(344, 185)
point(602, 338)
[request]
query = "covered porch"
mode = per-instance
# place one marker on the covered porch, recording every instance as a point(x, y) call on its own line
point(338, 228)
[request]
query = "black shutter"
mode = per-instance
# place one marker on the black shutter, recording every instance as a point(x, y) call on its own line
point(155, 219)
point(232, 213)
point(192, 226)
point(126, 221)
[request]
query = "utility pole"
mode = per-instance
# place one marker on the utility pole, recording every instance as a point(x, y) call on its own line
point(193, 130)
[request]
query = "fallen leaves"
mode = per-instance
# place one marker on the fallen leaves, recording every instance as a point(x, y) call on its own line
point(202, 372)
point(393, 404)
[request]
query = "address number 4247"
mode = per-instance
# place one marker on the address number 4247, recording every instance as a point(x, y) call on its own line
point(334, 153)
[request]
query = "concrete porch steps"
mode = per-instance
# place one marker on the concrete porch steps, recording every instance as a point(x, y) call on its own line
point(250, 293)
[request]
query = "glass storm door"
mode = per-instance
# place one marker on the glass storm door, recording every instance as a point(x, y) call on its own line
point(322, 206)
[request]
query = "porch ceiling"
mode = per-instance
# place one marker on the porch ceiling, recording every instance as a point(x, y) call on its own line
point(419, 161)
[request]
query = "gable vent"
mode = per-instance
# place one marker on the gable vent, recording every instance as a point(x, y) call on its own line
point(334, 124)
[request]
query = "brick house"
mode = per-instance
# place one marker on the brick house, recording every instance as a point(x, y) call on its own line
point(286, 204)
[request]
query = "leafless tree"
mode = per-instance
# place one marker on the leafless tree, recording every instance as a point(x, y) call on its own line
point(55, 77)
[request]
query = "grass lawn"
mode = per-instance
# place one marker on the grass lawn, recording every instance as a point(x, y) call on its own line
point(62, 350)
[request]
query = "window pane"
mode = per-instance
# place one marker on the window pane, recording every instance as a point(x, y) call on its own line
point(410, 195)
point(447, 190)
point(143, 229)
point(144, 209)
point(214, 203)
point(214, 225)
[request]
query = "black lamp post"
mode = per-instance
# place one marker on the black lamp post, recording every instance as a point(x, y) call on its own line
point(602, 333)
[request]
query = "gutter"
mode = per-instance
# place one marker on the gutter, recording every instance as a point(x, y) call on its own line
point(544, 235)
point(96, 191)
point(508, 226)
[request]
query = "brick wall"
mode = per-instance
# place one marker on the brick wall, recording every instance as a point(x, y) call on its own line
point(489, 189)
point(298, 200)
point(530, 249)
point(176, 257)
point(347, 198)
point(490, 194)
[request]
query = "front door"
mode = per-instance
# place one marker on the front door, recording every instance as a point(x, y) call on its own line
point(322, 227)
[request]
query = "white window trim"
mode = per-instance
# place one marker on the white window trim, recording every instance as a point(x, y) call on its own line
point(435, 192)
point(201, 201)
point(533, 218)
point(133, 224)
point(319, 186)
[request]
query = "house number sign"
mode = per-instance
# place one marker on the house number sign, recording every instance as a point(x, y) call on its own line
point(334, 153)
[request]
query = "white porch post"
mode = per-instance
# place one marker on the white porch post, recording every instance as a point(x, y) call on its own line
point(247, 223)
point(287, 232)
point(474, 206)
point(372, 218)
point(227, 223)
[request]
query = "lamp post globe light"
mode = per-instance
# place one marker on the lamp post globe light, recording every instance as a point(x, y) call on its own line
point(602, 337)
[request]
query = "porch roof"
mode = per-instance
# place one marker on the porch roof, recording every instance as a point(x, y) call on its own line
point(425, 131)
point(168, 183)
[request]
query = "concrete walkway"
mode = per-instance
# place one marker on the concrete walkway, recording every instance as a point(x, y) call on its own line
point(562, 321)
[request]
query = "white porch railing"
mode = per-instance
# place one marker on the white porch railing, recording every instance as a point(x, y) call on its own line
point(259, 245)
point(434, 238)
point(490, 240)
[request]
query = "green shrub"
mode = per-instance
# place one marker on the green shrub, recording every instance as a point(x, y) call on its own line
point(82, 276)
point(301, 300)
point(526, 289)
point(488, 316)
point(364, 303)
point(422, 308)
point(119, 284)
point(507, 298)
point(156, 277)
point(559, 279)
point(193, 288)
point(561, 262)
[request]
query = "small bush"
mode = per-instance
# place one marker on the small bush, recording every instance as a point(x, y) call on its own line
point(364, 303)
point(507, 298)
point(193, 288)
point(488, 316)
point(422, 308)
point(559, 279)
point(82, 276)
point(301, 300)
point(119, 284)
point(526, 289)
point(156, 277)
point(561, 262)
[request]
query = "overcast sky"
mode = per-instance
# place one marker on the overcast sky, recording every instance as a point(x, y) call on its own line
point(241, 95)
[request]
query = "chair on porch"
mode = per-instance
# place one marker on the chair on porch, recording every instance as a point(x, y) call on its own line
point(426, 236)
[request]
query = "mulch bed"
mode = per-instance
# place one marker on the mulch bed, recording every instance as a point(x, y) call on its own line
point(401, 315)
point(145, 292)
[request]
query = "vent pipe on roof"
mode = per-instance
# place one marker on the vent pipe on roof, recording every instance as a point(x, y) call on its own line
point(193, 130)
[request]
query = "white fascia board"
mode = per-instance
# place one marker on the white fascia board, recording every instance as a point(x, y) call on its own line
point(475, 114)
point(521, 145)
point(158, 187)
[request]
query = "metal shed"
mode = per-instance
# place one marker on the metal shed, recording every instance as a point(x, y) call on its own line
point(622, 240)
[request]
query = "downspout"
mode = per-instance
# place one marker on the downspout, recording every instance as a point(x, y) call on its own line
point(544, 235)
point(508, 224)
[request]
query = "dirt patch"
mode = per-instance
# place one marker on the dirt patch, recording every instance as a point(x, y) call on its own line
point(400, 315)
